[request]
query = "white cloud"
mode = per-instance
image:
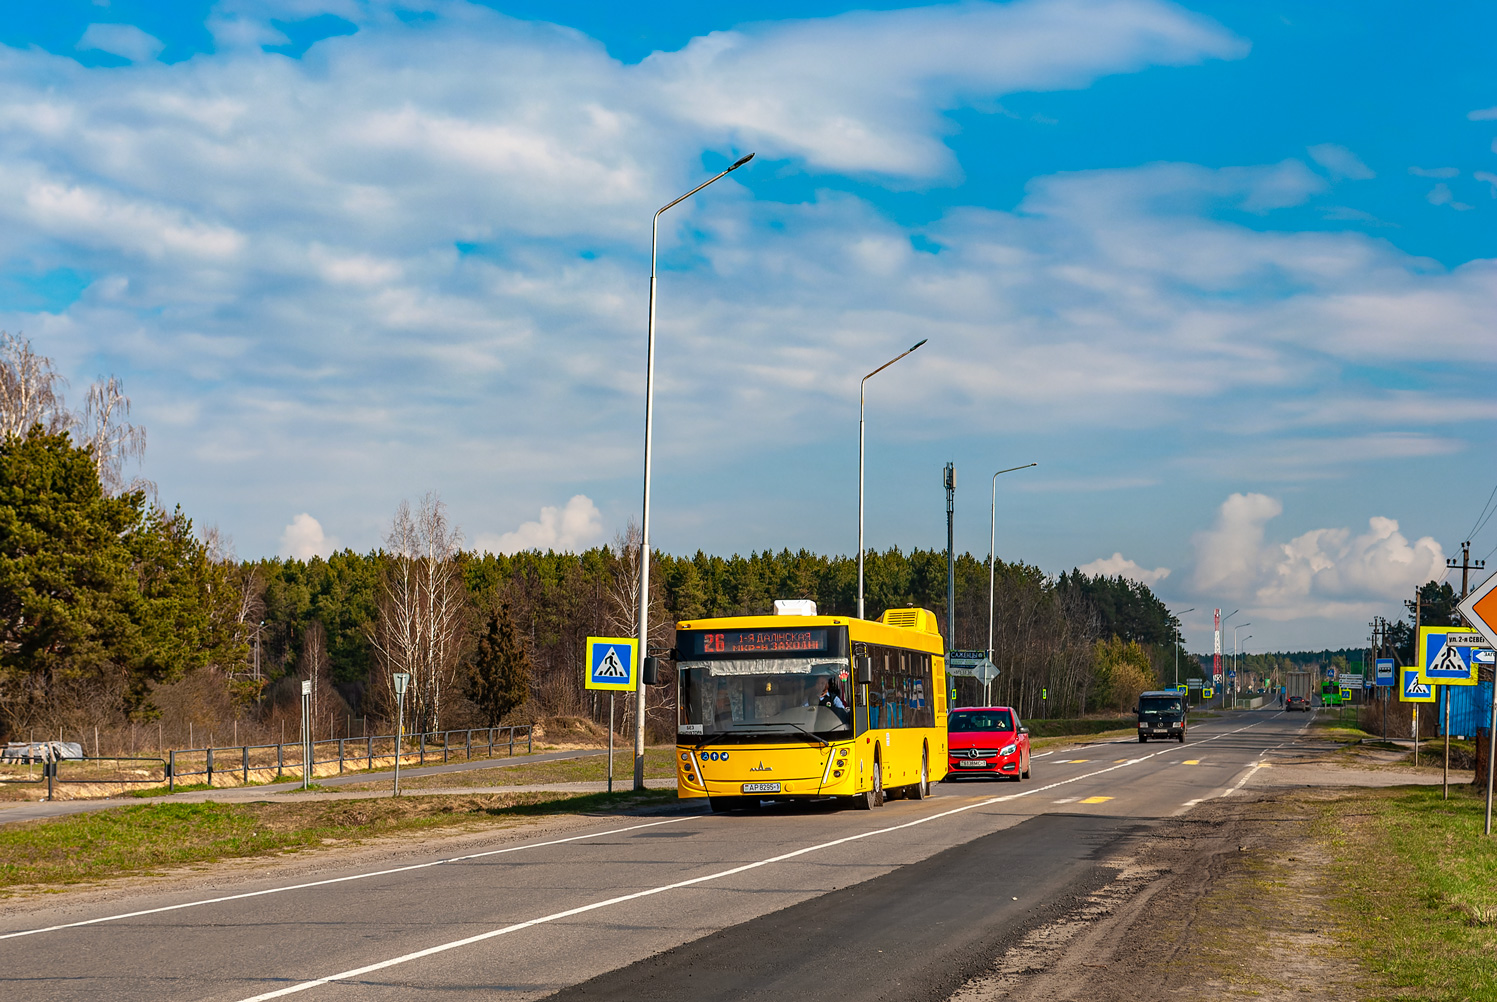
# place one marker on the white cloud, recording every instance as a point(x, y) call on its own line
point(1320, 573)
point(1341, 162)
point(1440, 194)
point(418, 252)
point(1445, 172)
point(1118, 566)
point(124, 40)
point(575, 526)
point(862, 91)
point(1483, 115)
point(304, 539)
point(1489, 178)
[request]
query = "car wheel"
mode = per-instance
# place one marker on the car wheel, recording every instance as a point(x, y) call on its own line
point(921, 790)
point(1143, 739)
point(1025, 773)
point(1181, 739)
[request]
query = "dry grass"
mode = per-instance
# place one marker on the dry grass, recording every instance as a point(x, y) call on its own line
point(104, 845)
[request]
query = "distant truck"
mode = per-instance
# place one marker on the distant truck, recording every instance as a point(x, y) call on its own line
point(1298, 683)
point(1161, 714)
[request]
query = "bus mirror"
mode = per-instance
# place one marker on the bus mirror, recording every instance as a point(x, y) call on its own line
point(651, 669)
point(865, 670)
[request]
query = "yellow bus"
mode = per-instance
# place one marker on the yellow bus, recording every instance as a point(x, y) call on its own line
point(810, 707)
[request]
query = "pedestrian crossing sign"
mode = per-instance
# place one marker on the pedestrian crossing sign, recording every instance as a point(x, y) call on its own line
point(1448, 655)
point(612, 664)
point(1413, 689)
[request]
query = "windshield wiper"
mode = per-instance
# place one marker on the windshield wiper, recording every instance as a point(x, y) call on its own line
point(810, 734)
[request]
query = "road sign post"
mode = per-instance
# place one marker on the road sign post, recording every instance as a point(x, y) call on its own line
point(306, 734)
point(1480, 609)
point(612, 667)
point(401, 680)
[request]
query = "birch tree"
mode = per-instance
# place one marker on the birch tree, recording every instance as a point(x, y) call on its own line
point(421, 611)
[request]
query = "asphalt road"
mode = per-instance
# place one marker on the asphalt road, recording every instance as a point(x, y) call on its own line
point(903, 902)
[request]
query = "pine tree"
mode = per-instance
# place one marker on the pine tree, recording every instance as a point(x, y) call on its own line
point(501, 667)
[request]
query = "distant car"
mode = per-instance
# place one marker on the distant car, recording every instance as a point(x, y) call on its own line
point(1297, 703)
point(987, 741)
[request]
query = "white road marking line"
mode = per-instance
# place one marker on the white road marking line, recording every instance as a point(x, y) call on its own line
point(1067, 800)
point(582, 909)
point(338, 880)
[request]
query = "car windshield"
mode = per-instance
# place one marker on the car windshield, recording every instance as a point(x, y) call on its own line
point(980, 720)
point(1160, 704)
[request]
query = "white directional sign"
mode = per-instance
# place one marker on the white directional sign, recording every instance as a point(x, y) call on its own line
point(986, 672)
point(965, 663)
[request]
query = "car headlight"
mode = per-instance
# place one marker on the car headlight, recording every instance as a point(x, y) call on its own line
point(1008, 749)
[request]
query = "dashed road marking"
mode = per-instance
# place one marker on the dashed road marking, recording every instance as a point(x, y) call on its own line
point(1191, 761)
point(1096, 800)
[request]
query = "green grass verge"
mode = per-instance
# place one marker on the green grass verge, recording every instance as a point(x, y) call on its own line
point(1418, 890)
point(660, 763)
point(1068, 727)
point(129, 841)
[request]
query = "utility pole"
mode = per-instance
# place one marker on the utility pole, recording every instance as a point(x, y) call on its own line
point(950, 556)
point(1466, 566)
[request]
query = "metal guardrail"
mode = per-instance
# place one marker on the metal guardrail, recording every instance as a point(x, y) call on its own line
point(55, 771)
point(375, 748)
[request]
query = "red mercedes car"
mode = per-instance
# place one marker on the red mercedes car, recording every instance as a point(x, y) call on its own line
point(987, 741)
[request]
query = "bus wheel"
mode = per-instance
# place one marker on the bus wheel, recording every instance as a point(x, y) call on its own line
point(721, 805)
point(921, 790)
point(875, 795)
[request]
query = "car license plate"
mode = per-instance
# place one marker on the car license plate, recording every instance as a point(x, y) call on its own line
point(761, 787)
point(981, 763)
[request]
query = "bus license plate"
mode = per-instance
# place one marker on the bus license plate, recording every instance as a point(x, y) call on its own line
point(761, 787)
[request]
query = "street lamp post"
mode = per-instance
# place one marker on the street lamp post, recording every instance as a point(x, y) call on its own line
point(992, 549)
point(644, 525)
point(861, 399)
point(1239, 626)
point(1218, 646)
point(401, 680)
point(1177, 648)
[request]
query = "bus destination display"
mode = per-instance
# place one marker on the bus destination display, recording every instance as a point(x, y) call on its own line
point(758, 641)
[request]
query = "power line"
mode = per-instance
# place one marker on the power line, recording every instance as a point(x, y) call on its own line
point(1481, 519)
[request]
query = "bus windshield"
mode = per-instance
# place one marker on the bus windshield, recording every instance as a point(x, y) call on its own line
point(790, 696)
point(1159, 704)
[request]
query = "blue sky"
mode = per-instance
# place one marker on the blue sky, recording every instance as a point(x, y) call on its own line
point(1226, 270)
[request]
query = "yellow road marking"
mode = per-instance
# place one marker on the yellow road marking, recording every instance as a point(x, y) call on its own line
point(1096, 800)
point(1077, 761)
point(1191, 761)
point(1118, 761)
